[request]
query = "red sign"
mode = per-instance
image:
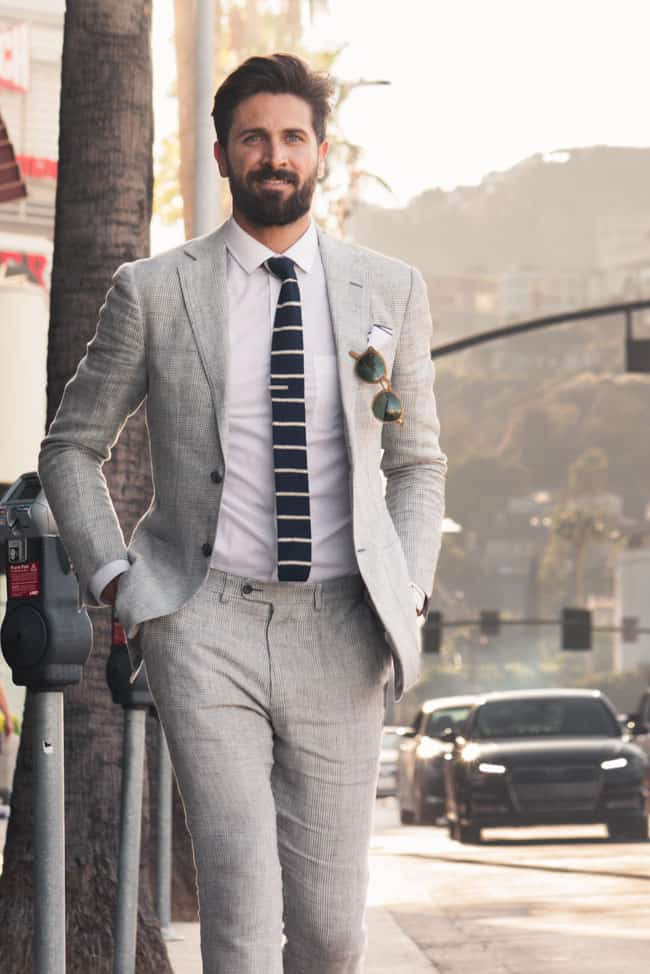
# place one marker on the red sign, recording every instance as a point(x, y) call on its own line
point(24, 580)
point(32, 167)
point(34, 265)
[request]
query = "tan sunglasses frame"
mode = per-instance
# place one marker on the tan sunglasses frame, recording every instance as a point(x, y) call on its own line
point(383, 382)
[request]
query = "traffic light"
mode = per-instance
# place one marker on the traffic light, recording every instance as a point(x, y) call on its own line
point(432, 632)
point(576, 629)
point(490, 622)
point(630, 629)
point(637, 354)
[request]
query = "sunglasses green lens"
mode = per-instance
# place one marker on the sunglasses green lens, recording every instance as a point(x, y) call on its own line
point(370, 367)
point(387, 407)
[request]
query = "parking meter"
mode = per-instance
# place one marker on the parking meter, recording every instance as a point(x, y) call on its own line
point(46, 638)
point(129, 694)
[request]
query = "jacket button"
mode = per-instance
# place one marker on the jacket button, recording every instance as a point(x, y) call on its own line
point(216, 477)
point(207, 549)
point(247, 589)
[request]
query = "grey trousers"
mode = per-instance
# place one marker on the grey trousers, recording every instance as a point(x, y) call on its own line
point(271, 696)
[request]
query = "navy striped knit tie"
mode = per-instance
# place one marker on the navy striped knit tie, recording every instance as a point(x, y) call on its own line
point(289, 428)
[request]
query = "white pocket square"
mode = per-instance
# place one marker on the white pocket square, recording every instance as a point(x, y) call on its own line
point(379, 336)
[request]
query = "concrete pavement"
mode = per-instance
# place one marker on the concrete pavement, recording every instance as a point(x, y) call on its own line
point(390, 951)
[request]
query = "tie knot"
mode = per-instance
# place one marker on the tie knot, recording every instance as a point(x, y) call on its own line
point(282, 267)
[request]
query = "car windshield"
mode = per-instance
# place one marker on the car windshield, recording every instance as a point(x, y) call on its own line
point(545, 717)
point(440, 720)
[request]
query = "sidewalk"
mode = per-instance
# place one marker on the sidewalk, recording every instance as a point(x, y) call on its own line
point(389, 950)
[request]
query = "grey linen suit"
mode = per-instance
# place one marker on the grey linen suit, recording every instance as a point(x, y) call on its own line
point(235, 673)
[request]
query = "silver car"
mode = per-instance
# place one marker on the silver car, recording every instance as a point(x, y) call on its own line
point(390, 742)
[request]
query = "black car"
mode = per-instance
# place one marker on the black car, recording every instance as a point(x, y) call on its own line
point(545, 757)
point(420, 779)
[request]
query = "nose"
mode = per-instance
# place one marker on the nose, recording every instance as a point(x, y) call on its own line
point(276, 155)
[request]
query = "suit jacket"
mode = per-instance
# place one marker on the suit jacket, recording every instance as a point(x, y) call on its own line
point(163, 337)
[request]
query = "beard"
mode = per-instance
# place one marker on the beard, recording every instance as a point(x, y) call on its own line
point(272, 207)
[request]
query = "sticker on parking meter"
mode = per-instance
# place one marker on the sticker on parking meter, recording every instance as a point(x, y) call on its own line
point(24, 580)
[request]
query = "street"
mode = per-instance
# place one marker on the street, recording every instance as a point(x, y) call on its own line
point(533, 901)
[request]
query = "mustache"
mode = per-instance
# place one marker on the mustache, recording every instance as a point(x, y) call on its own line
point(269, 173)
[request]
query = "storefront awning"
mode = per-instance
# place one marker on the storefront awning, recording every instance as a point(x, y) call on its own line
point(12, 186)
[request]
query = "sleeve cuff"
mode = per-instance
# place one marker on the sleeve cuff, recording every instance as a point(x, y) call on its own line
point(106, 574)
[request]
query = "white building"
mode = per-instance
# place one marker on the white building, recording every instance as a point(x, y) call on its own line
point(31, 39)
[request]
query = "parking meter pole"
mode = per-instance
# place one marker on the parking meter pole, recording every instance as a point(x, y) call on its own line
point(164, 837)
point(131, 691)
point(126, 926)
point(48, 941)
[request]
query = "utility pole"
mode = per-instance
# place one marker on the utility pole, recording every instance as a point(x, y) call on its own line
point(205, 210)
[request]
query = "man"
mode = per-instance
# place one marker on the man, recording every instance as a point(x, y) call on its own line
point(271, 586)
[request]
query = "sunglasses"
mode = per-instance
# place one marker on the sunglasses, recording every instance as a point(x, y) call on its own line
point(371, 367)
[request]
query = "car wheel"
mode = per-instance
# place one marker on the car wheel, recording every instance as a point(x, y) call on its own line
point(406, 817)
point(629, 828)
point(468, 834)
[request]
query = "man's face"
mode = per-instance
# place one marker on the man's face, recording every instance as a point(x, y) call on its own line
point(272, 159)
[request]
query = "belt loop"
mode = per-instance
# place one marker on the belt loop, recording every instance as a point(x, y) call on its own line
point(318, 596)
point(223, 585)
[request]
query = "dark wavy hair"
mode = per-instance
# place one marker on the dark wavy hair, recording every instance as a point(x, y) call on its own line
point(278, 74)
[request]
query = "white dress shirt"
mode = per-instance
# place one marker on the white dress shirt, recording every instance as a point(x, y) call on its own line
point(246, 539)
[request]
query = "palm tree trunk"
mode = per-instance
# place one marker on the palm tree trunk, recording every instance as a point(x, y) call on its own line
point(103, 209)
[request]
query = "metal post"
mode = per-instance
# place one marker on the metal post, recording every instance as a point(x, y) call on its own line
point(130, 826)
point(48, 939)
point(164, 838)
point(206, 175)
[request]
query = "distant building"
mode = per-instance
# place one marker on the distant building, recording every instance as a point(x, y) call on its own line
point(532, 292)
point(461, 304)
point(31, 41)
point(33, 35)
point(623, 249)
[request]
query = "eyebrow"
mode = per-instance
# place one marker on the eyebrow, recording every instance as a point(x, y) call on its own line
point(261, 130)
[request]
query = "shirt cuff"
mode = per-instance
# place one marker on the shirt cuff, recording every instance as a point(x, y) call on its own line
point(106, 574)
point(419, 598)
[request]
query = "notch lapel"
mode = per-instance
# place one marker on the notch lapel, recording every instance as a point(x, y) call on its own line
point(349, 302)
point(205, 292)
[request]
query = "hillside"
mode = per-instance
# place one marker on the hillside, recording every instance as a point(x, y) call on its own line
point(545, 213)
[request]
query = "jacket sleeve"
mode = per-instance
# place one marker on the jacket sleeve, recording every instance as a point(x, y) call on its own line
point(109, 385)
point(413, 463)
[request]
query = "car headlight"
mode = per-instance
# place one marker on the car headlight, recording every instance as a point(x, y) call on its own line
point(429, 748)
point(487, 768)
point(633, 764)
point(470, 753)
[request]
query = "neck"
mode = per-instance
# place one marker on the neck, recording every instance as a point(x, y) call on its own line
point(276, 238)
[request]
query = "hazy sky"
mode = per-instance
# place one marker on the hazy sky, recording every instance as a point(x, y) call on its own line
point(476, 85)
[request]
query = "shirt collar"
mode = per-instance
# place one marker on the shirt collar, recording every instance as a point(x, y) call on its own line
point(251, 254)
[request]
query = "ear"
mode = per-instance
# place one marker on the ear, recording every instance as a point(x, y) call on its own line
point(222, 159)
point(322, 152)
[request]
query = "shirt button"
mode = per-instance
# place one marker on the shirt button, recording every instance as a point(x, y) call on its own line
point(207, 549)
point(246, 589)
point(216, 477)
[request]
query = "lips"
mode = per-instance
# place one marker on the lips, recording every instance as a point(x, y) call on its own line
point(273, 182)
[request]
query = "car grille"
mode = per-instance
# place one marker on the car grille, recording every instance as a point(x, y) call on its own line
point(555, 788)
